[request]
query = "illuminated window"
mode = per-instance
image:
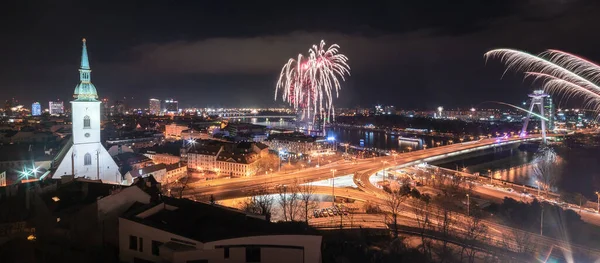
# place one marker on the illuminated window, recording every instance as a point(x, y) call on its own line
point(86, 122)
point(87, 159)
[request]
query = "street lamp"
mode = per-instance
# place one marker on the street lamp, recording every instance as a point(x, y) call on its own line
point(383, 170)
point(598, 207)
point(333, 186)
point(468, 205)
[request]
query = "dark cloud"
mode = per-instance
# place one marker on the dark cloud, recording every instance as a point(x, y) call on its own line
point(407, 53)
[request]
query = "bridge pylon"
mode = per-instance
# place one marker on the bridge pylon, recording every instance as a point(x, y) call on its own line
point(537, 99)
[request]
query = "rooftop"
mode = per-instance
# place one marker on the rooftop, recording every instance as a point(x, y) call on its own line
point(205, 222)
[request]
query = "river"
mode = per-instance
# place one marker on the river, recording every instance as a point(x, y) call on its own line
point(579, 159)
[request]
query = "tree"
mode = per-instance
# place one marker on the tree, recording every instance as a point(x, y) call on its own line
point(546, 169)
point(267, 163)
point(289, 199)
point(306, 197)
point(260, 203)
point(475, 231)
point(422, 213)
point(445, 223)
point(283, 200)
point(393, 202)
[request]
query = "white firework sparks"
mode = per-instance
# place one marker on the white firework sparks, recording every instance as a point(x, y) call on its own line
point(562, 73)
point(309, 83)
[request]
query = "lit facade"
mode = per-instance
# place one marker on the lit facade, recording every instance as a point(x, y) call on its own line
point(218, 160)
point(174, 130)
point(3, 178)
point(171, 106)
point(162, 158)
point(56, 107)
point(36, 109)
point(154, 106)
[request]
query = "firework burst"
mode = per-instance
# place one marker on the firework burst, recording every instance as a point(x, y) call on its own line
point(561, 73)
point(309, 83)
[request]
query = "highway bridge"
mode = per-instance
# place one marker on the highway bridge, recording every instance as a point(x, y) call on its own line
point(275, 117)
point(364, 167)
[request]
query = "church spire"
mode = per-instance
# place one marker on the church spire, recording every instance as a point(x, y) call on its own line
point(85, 91)
point(85, 63)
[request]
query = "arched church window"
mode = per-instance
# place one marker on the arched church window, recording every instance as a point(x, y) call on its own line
point(87, 159)
point(86, 122)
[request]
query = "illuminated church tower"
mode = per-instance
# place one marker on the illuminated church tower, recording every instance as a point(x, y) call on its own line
point(87, 157)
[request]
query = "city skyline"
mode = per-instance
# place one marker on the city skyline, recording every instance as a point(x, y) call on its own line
point(391, 53)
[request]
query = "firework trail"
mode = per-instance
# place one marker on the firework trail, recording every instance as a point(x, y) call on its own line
point(561, 73)
point(518, 108)
point(309, 83)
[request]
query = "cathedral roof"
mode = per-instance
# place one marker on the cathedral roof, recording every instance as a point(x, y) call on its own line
point(85, 90)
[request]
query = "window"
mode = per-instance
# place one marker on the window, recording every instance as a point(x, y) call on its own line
point(87, 159)
point(141, 244)
point(155, 247)
point(252, 254)
point(86, 122)
point(226, 252)
point(133, 242)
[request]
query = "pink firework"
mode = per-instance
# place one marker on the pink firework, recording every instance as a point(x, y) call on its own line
point(308, 83)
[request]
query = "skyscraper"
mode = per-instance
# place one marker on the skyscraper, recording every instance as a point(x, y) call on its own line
point(86, 156)
point(549, 111)
point(118, 108)
point(36, 109)
point(8, 105)
point(171, 106)
point(154, 107)
point(105, 111)
point(56, 108)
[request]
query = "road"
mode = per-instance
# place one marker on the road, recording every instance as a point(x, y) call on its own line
point(237, 186)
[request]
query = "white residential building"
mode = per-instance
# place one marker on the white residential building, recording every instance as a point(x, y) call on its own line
point(183, 231)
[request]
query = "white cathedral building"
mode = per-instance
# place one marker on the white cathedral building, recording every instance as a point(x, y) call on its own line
point(86, 156)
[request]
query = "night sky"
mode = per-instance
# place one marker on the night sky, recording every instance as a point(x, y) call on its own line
point(411, 54)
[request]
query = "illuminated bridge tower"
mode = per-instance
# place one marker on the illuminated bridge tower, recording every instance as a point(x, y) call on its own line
point(537, 99)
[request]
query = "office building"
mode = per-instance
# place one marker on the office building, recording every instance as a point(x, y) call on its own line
point(171, 106)
point(118, 108)
point(36, 109)
point(154, 107)
point(56, 108)
point(105, 109)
